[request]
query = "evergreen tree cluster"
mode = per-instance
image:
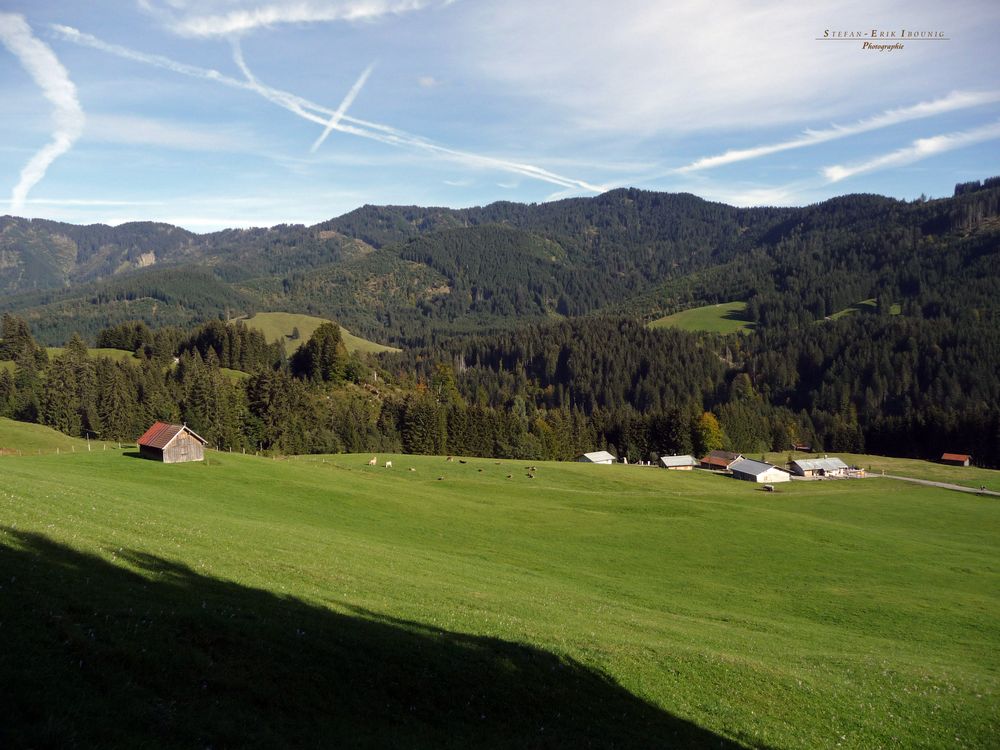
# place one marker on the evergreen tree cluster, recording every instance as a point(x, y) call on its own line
point(886, 384)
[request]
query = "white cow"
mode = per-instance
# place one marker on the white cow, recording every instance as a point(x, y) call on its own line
point(373, 461)
point(388, 464)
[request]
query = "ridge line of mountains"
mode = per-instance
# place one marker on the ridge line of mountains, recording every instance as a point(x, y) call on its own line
point(406, 275)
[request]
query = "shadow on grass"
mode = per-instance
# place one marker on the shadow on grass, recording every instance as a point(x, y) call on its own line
point(95, 655)
point(739, 315)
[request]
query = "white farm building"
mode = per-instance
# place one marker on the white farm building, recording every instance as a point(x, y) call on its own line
point(597, 457)
point(819, 467)
point(758, 471)
point(678, 463)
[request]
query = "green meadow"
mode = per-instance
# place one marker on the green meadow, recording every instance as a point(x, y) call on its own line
point(116, 354)
point(278, 326)
point(56, 351)
point(864, 306)
point(318, 601)
point(725, 317)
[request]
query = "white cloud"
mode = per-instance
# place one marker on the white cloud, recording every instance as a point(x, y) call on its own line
point(921, 148)
point(323, 115)
point(216, 18)
point(148, 131)
point(88, 202)
point(953, 101)
point(641, 67)
point(50, 75)
point(428, 82)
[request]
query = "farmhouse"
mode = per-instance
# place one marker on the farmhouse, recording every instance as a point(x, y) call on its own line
point(719, 460)
point(758, 471)
point(597, 457)
point(678, 463)
point(172, 443)
point(956, 459)
point(819, 467)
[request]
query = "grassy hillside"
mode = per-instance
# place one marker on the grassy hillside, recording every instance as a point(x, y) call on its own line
point(116, 354)
point(278, 326)
point(725, 317)
point(55, 351)
point(318, 601)
point(29, 438)
point(864, 306)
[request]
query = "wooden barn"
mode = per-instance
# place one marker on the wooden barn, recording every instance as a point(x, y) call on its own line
point(172, 443)
point(956, 459)
point(720, 460)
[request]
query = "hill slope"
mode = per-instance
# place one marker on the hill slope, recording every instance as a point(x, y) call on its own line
point(278, 326)
point(407, 274)
point(320, 601)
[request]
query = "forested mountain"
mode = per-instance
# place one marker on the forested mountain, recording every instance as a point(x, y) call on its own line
point(407, 275)
point(530, 316)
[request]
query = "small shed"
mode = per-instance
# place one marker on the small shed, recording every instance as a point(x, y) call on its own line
point(172, 443)
point(719, 460)
point(819, 467)
point(597, 457)
point(758, 471)
point(956, 459)
point(678, 463)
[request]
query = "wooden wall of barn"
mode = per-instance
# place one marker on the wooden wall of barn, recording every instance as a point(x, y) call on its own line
point(184, 448)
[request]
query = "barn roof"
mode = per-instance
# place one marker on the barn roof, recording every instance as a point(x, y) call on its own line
point(815, 464)
point(722, 459)
point(599, 456)
point(725, 455)
point(955, 457)
point(669, 461)
point(161, 434)
point(749, 466)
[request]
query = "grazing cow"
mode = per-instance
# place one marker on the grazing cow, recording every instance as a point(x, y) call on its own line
point(388, 464)
point(412, 469)
point(450, 458)
point(373, 461)
point(462, 461)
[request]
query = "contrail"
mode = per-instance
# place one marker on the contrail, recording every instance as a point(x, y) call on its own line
point(348, 100)
point(307, 110)
point(50, 75)
point(324, 115)
point(921, 148)
point(265, 15)
point(954, 100)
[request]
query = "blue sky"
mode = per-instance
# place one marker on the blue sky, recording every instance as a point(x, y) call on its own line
point(212, 113)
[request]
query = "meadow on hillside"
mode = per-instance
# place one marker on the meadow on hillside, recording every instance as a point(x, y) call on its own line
point(253, 601)
point(725, 317)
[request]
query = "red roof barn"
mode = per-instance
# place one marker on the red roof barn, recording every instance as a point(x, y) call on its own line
point(719, 460)
point(172, 443)
point(956, 459)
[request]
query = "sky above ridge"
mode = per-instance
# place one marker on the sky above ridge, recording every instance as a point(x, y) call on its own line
point(220, 113)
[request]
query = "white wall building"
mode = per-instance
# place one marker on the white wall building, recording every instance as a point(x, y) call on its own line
point(597, 457)
point(758, 471)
